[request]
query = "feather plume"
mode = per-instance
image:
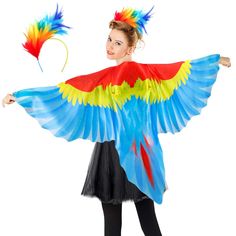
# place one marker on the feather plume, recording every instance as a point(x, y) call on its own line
point(42, 30)
point(135, 18)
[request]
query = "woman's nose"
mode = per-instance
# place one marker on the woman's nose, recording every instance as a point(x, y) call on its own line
point(109, 46)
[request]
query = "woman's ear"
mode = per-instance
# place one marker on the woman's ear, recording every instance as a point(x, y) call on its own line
point(130, 50)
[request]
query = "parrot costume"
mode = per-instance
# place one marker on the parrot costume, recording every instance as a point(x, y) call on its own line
point(131, 104)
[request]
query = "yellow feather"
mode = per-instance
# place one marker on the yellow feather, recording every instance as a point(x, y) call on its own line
point(116, 96)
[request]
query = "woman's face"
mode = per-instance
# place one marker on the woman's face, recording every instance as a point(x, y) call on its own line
point(117, 45)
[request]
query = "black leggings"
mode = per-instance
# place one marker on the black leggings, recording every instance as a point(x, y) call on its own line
point(146, 214)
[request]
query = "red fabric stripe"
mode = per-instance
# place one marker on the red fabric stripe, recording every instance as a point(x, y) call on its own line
point(147, 164)
point(127, 71)
point(134, 148)
point(147, 143)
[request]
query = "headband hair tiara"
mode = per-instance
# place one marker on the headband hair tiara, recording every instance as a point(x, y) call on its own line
point(135, 18)
point(42, 30)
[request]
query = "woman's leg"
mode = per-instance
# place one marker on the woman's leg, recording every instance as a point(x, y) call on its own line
point(112, 219)
point(147, 217)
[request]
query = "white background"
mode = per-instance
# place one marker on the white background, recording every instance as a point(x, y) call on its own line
point(41, 177)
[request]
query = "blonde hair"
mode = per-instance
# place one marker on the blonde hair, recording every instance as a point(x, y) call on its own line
point(130, 32)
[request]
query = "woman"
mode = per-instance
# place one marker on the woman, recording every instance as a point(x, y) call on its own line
point(112, 186)
point(106, 179)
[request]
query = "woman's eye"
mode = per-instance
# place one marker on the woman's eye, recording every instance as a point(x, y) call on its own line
point(109, 39)
point(118, 43)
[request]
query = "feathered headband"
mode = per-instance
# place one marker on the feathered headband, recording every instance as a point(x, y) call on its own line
point(135, 18)
point(41, 31)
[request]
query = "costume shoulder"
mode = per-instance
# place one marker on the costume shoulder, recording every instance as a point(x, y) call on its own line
point(120, 83)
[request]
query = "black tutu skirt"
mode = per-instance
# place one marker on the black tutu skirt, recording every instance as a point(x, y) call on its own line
point(106, 179)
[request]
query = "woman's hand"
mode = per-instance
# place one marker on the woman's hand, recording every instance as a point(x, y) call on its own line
point(225, 61)
point(8, 99)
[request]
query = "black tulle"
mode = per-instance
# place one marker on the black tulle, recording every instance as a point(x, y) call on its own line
point(106, 179)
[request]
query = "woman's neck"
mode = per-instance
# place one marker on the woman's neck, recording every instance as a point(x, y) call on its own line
point(123, 59)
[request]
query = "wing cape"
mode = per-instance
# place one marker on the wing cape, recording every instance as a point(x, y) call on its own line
point(130, 103)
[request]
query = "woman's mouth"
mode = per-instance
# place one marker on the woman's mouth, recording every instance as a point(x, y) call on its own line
point(110, 53)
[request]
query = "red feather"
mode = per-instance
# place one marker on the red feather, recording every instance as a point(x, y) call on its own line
point(147, 164)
